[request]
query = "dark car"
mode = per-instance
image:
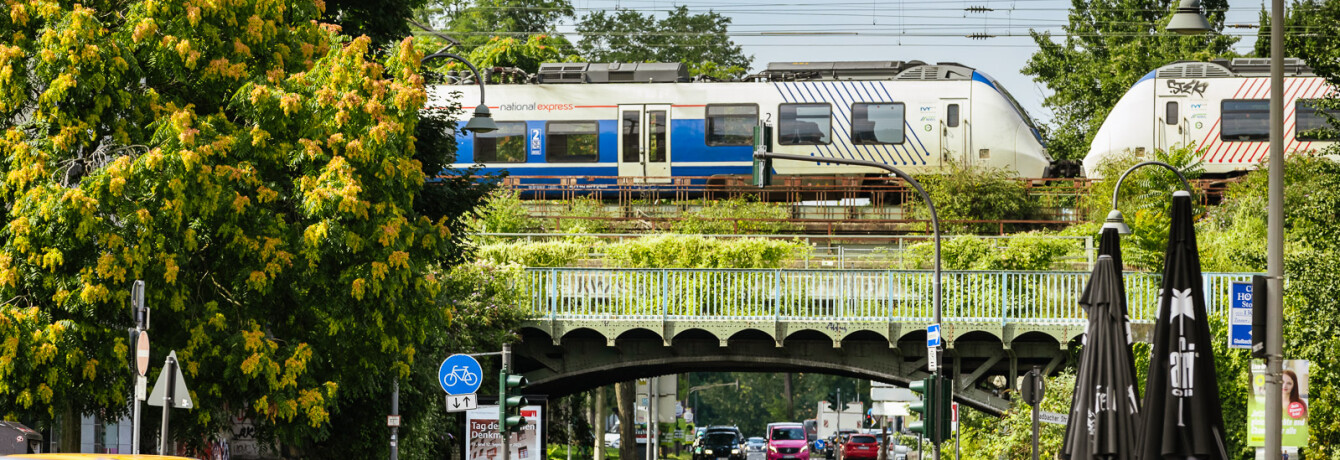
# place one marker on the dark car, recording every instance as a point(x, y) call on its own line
point(721, 445)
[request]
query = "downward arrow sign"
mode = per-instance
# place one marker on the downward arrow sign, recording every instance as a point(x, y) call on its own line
point(456, 403)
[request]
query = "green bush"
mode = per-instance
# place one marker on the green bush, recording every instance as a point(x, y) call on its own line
point(1032, 251)
point(968, 193)
point(502, 213)
point(587, 207)
point(535, 254)
point(681, 251)
point(726, 217)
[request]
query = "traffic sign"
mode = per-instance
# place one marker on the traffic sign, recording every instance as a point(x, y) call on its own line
point(933, 335)
point(460, 375)
point(142, 353)
point(462, 403)
point(933, 359)
point(392, 420)
point(181, 397)
point(1240, 316)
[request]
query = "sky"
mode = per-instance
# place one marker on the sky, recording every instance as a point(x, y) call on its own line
point(901, 30)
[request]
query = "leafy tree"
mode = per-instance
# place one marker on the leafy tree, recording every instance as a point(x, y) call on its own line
point(483, 19)
point(1108, 46)
point(383, 21)
point(260, 172)
point(1145, 200)
point(700, 41)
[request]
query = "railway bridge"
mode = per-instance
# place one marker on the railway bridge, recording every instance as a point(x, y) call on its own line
point(594, 327)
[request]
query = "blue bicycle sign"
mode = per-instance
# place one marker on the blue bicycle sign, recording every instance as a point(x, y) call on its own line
point(460, 375)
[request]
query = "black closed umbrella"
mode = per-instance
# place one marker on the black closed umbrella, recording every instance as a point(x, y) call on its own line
point(1104, 410)
point(1182, 417)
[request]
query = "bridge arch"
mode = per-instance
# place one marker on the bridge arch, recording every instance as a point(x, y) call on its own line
point(584, 357)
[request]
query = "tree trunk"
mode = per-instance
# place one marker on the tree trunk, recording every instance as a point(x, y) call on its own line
point(598, 423)
point(790, 399)
point(69, 431)
point(625, 392)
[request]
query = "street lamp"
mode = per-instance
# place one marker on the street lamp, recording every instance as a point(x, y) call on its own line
point(1274, 225)
point(482, 121)
point(761, 154)
point(1188, 20)
point(1114, 218)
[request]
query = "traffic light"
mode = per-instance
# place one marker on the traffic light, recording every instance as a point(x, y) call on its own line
point(925, 408)
point(944, 400)
point(510, 402)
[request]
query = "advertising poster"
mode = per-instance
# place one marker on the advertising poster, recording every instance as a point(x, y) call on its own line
point(482, 441)
point(1293, 399)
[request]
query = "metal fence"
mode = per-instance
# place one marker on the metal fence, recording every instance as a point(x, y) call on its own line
point(853, 295)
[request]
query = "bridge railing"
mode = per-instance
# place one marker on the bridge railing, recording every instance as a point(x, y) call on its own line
point(854, 295)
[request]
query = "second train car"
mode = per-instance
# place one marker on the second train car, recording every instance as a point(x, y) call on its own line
point(648, 121)
point(1221, 107)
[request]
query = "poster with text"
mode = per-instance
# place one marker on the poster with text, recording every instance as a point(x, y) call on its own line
point(482, 441)
point(1293, 399)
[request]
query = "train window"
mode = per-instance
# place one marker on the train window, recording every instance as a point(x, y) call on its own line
point(572, 142)
point(631, 139)
point(951, 116)
point(1170, 115)
point(1245, 120)
point(805, 124)
point(506, 145)
point(731, 124)
point(656, 142)
point(1311, 124)
point(877, 123)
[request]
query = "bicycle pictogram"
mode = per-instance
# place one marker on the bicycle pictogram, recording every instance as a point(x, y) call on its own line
point(460, 374)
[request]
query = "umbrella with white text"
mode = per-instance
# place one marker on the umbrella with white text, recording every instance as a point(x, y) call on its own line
point(1104, 411)
point(1183, 418)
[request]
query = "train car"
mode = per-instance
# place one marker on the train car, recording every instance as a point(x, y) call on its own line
point(1221, 106)
point(648, 121)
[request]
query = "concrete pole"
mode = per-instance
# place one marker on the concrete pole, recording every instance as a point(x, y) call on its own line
point(395, 410)
point(1275, 237)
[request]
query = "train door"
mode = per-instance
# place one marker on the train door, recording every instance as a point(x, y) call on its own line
point(644, 142)
point(1170, 121)
point(955, 132)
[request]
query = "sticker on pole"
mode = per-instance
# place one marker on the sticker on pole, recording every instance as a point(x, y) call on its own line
point(933, 336)
point(460, 375)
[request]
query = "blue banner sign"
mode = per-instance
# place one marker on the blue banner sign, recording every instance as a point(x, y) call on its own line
point(1240, 315)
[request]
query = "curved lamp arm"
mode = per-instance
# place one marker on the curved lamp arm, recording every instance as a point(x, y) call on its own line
point(1185, 185)
point(935, 220)
point(478, 76)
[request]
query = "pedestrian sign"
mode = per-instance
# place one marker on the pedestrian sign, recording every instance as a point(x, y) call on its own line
point(460, 375)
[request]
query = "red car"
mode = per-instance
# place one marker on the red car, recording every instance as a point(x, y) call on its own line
point(860, 446)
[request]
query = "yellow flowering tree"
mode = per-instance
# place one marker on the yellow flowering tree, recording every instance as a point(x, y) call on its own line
point(257, 169)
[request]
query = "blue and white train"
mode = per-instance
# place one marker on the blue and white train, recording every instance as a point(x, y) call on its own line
point(647, 120)
point(1222, 107)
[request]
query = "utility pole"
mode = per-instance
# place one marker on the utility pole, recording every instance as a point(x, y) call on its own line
point(502, 395)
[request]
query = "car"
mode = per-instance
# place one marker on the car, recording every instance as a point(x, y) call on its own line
point(755, 444)
point(860, 446)
point(612, 440)
point(787, 441)
point(720, 445)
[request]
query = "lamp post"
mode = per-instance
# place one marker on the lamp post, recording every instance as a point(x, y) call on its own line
point(935, 227)
point(1274, 216)
point(481, 121)
point(1114, 217)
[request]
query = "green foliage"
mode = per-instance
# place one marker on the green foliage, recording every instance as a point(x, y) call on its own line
point(680, 251)
point(592, 216)
point(483, 20)
point(726, 217)
point(700, 41)
point(504, 212)
point(1145, 200)
point(970, 193)
point(1021, 252)
point(1108, 46)
point(558, 253)
point(1011, 436)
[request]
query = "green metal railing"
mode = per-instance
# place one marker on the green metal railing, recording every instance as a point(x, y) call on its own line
point(852, 295)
